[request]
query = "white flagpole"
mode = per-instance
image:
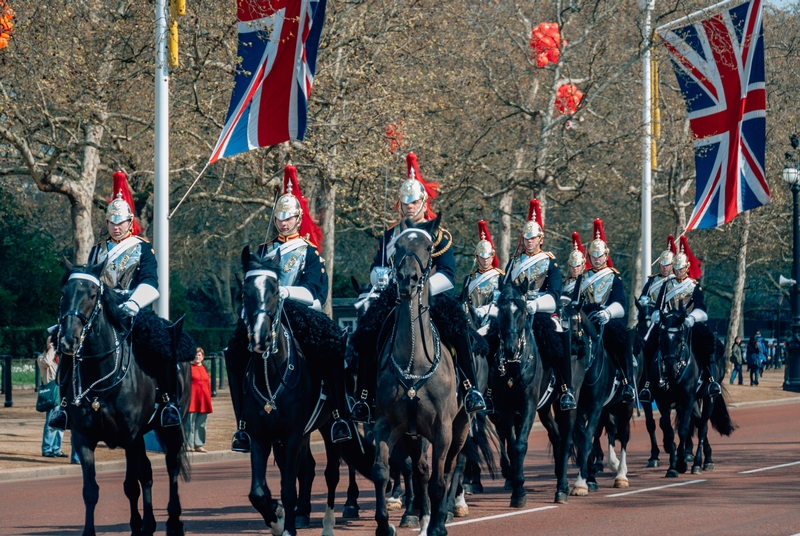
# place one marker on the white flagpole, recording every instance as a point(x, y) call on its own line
point(161, 163)
point(647, 158)
point(709, 11)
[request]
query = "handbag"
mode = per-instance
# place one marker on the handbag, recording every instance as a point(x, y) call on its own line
point(47, 398)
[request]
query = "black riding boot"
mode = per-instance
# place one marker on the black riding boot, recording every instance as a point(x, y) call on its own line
point(58, 419)
point(628, 392)
point(473, 399)
point(564, 367)
point(240, 442)
point(644, 394)
point(340, 429)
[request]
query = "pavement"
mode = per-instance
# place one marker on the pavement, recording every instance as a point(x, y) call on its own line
point(21, 430)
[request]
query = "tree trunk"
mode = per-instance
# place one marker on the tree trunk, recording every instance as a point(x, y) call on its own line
point(329, 242)
point(83, 192)
point(737, 304)
point(504, 246)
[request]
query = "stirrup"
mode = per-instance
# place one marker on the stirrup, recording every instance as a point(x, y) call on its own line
point(58, 420)
point(240, 442)
point(645, 395)
point(473, 401)
point(489, 401)
point(567, 402)
point(628, 394)
point(714, 390)
point(171, 415)
point(340, 430)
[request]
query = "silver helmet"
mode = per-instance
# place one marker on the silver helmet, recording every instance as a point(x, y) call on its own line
point(119, 211)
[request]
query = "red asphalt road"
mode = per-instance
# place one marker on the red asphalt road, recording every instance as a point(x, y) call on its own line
point(728, 500)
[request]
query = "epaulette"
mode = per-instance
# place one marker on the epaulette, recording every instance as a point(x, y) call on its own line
point(440, 234)
point(143, 239)
point(550, 255)
point(501, 272)
point(651, 276)
point(614, 270)
point(310, 243)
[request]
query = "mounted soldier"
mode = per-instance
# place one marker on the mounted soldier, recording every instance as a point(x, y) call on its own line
point(130, 269)
point(687, 293)
point(414, 203)
point(650, 293)
point(541, 271)
point(603, 294)
point(480, 290)
point(576, 265)
point(303, 280)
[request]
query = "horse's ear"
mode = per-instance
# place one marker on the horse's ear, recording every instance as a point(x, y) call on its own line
point(405, 223)
point(356, 285)
point(435, 224)
point(96, 269)
point(638, 305)
point(68, 265)
point(245, 257)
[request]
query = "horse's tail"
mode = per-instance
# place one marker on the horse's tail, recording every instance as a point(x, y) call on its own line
point(184, 467)
point(480, 448)
point(720, 418)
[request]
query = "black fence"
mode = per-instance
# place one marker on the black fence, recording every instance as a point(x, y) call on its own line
point(17, 371)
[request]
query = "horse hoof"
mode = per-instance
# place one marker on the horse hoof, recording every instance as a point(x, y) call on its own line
point(302, 522)
point(467, 487)
point(508, 486)
point(392, 530)
point(350, 512)
point(477, 487)
point(593, 486)
point(461, 511)
point(681, 467)
point(653, 463)
point(409, 522)
point(697, 470)
point(579, 491)
point(708, 467)
point(518, 502)
point(621, 483)
point(450, 518)
point(393, 504)
point(561, 498)
point(598, 468)
point(671, 473)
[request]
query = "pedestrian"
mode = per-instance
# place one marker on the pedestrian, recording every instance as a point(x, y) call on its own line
point(762, 353)
point(200, 405)
point(753, 360)
point(736, 360)
point(48, 364)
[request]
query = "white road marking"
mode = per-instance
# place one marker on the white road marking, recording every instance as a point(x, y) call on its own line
point(768, 468)
point(655, 488)
point(498, 516)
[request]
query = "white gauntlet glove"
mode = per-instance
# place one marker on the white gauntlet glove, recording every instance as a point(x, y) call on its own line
point(283, 292)
point(603, 317)
point(129, 308)
point(532, 307)
point(689, 321)
point(143, 296)
point(655, 317)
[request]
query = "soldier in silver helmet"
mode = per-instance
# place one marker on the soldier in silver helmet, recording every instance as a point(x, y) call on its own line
point(480, 290)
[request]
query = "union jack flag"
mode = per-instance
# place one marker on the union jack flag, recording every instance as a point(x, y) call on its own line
point(269, 103)
point(719, 63)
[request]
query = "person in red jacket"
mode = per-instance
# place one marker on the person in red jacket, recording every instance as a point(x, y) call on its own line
point(200, 405)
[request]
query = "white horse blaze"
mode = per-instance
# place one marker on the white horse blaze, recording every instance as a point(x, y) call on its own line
point(260, 284)
point(513, 308)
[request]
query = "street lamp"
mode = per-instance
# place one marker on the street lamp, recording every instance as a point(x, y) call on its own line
point(792, 177)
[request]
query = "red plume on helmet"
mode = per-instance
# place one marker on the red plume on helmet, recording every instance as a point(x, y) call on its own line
point(598, 232)
point(535, 212)
point(483, 234)
point(431, 188)
point(576, 243)
point(694, 263)
point(121, 186)
point(671, 244)
point(307, 228)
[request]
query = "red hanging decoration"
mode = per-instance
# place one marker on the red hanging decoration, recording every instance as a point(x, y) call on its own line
point(546, 43)
point(695, 265)
point(6, 24)
point(568, 99)
point(308, 228)
point(394, 136)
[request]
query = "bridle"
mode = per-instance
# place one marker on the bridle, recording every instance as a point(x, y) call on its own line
point(521, 351)
point(680, 356)
point(275, 318)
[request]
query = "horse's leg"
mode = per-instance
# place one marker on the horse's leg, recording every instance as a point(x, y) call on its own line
point(650, 424)
point(520, 450)
point(85, 449)
point(350, 510)
point(709, 463)
point(684, 423)
point(584, 483)
point(305, 478)
point(597, 451)
point(583, 446)
point(412, 464)
point(176, 460)
point(702, 434)
point(380, 476)
point(333, 455)
point(503, 434)
point(399, 468)
point(437, 485)
point(295, 449)
point(260, 496)
point(624, 414)
point(669, 438)
point(454, 467)
point(566, 426)
point(131, 487)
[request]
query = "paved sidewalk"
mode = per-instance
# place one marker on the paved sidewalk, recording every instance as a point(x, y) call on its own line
point(21, 432)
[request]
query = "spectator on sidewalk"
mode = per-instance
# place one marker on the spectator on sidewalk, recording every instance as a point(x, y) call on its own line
point(736, 360)
point(200, 406)
point(753, 359)
point(48, 364)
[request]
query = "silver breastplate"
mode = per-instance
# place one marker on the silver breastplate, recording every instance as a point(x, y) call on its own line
point(569, 287)
point(682, 296)
point(600, 289)
point(292, 264)
point(536, 274)
point(484, 292)
point(119, 271)
point(655, 286)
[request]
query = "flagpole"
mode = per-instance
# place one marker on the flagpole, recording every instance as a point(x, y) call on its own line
point(647, 186)
point(161, 161)
point(705, 12)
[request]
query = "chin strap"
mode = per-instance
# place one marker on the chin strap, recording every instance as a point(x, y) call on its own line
point(438, 283)
point(616, 310)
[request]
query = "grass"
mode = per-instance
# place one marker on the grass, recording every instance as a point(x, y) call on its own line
point(23, 371)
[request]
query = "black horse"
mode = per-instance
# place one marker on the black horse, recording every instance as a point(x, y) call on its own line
point(282, 401)
point(108, 386)
point(674, 378)
point(600, 388)
point(522, 383)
